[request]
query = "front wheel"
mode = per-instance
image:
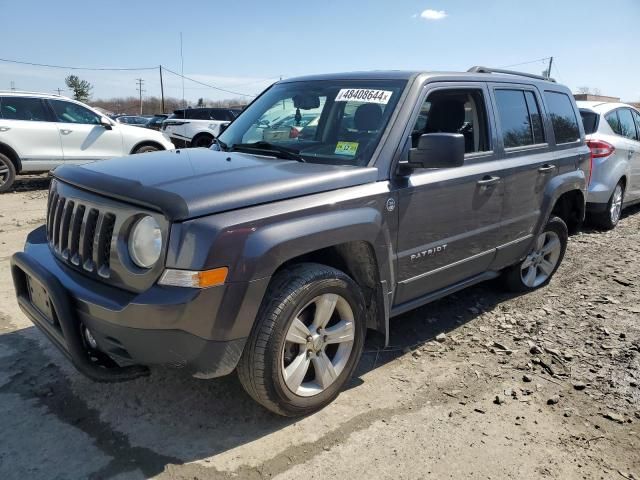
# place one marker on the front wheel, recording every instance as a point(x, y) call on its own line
point(306, 342)
point(146, 149)
point(543, 260)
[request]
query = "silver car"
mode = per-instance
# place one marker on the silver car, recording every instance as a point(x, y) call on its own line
point(613, 134)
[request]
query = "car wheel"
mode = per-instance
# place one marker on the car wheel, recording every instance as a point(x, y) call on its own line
point(608, 219)
point(7, 173)
point(539, 266)
point(306, 341)
point(146, 149)
point(202, 140)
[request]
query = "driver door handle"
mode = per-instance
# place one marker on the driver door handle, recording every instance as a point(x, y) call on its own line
point(546, 168)
point(65, 131)
point(487, 182)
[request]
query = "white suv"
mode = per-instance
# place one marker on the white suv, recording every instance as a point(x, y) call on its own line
point(197, 127)
point(41, 131)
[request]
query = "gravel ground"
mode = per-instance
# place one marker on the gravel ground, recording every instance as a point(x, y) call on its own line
point(480, 385)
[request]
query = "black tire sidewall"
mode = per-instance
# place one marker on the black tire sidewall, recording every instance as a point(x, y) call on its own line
point(285, 398)
point(199, 138)
point(4, 160)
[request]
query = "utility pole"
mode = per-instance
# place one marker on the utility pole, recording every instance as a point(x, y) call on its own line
point(13, 85)
point(161, 89)
point(140, 90)
point(59, 91)
point(550, 63)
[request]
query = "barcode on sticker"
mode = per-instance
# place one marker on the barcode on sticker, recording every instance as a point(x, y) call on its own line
point(365, 95)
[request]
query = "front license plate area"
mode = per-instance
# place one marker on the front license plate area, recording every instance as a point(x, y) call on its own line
point(40, 299)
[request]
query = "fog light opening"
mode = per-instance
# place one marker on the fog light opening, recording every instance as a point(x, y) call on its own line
point(88, 336)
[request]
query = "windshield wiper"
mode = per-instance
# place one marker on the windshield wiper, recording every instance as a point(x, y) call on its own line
point(270, 148)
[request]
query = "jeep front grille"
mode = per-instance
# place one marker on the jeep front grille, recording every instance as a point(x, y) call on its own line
point(80, 234)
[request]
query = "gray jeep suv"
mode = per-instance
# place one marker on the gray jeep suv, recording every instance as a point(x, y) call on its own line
point(273, 258)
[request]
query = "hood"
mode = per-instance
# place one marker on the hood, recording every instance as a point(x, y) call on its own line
point(194, 182)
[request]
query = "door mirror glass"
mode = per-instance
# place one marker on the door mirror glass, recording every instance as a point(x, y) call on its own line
point(438, 150)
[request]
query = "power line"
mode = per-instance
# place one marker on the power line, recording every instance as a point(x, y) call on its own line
point(100, 69)
point(207, 85)
point(527, 63)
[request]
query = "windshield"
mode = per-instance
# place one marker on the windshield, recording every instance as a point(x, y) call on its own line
point(327, 121)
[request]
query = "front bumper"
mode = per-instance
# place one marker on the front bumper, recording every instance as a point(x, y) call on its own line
point(203, 331)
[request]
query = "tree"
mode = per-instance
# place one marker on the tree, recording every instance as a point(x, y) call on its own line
point(201, 102)
point(81, 88)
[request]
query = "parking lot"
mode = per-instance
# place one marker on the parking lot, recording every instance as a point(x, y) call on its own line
point(537, 386)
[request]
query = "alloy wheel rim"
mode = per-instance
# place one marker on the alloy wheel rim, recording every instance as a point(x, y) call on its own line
point(318, 345)
point(616, 205)
point(4, 173)
point(542, 261)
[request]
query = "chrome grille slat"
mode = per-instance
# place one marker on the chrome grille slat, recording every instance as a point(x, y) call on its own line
point(56, 222)
point(74, 235)
point(64, 229)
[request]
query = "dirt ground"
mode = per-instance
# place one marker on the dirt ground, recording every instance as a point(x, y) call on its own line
point(538, 386)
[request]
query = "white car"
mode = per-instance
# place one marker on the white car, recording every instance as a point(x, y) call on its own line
point(40, 131)
point(197, 127)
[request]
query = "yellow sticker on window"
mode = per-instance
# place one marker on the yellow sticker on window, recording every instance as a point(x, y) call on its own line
point(346, 148)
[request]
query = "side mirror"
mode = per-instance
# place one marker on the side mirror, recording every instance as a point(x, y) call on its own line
point(438, 150)
point(105, 123)
point(223, 127)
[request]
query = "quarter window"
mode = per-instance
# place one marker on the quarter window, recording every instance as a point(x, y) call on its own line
point(563, 117)
point(23, 108)
point(627, 124)
point(614, 122)
point(454, 111)
point(67, 112)
point(519, 118)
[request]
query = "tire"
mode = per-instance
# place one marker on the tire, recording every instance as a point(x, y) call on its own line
point(542, 262)
point(7, 173)
point(280, 374)
point(146, 149)
point(608, 219)
point(202, 140)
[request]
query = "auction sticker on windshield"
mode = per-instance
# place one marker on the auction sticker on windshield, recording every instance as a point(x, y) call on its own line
point(365, 95)
point(346, 148)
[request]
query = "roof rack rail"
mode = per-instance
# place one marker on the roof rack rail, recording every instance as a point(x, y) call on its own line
point(478, 69)
point(28, 92)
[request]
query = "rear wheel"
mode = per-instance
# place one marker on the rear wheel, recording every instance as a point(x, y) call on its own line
point(306, 342)
point(7, 173)
point(608, 219)
point(543, 260)
point(202, 140)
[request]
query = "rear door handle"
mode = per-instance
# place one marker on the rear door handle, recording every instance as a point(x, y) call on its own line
point(547, 168)
point(4, 129)
point(488, 181)
point(64, 131)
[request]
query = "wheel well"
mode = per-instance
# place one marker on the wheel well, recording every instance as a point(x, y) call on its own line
point(201, 134)
point(146, 143)
point(570, 208)
point(623, 180)
point(358, 260)
point(13, 156)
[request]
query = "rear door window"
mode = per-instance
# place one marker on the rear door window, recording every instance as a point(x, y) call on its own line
point(636, 117)
point(23, 108)
point(589, 121)
point(563, 117)
point(627, 124)
point(519, 128)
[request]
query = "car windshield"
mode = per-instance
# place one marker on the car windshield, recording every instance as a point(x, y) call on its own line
point(324, 121)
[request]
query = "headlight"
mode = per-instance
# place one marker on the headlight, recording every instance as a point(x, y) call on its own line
point(145, 242)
